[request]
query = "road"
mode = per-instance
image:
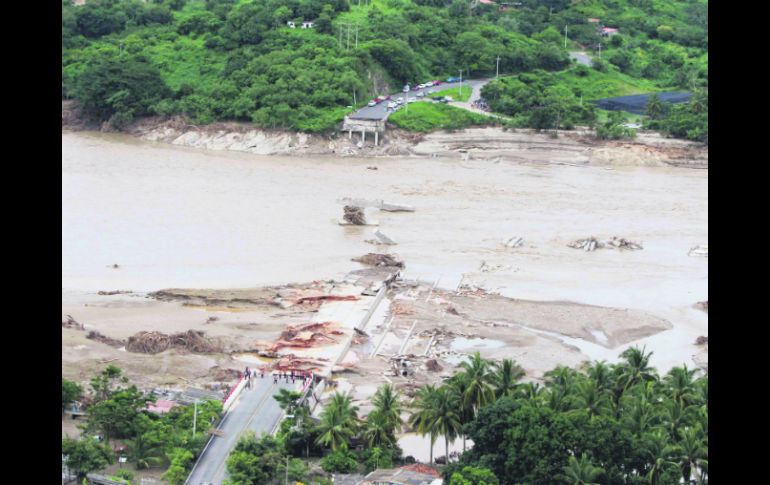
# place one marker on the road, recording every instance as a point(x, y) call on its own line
point(255, 411)
point(380, 112)
point(581, 58)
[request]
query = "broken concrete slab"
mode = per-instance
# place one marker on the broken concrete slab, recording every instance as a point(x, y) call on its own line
point(702, 250)
point(513, 242)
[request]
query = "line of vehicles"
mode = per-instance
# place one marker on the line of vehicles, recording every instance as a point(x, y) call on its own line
point(395, 103)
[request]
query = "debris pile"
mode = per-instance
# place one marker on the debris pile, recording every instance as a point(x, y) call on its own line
point(592, 244)
point(116, 292)
point(703, 305)
point(589, 244)
point(513, 242)
point(378, 203)
point(72, 323)
point(224, 375)
point(94, 335)
point(375, 259)
point(433, 365)
point(701, 340)
point(354, 215)
point(490, 268)
point(156, 342)
point(622, 243)
point(305, 336)
point(291, 362)
point(381, 238)
point(699, 251)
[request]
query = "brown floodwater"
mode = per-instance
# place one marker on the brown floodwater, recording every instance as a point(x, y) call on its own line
point(181, 217)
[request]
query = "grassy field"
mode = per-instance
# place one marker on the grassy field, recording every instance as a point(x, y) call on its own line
point(426, 116)
point(597, 85)
point(455, 93)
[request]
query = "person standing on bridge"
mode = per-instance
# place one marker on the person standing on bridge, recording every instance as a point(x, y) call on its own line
point(246, 375)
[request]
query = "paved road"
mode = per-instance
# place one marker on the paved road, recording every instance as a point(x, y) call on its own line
point(255, 411)
point(380, 112)
point(581, 58)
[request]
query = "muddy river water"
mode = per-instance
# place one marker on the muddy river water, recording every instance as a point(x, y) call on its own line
point(182, 217)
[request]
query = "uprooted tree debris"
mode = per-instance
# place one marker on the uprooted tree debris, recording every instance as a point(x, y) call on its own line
point(701, 340)
point(592, 244)
point(305, 336)
point(94, 335)
point(156, 342)
point(703, 305)
point(72, 323)
point(354, 215)
point(376, 259)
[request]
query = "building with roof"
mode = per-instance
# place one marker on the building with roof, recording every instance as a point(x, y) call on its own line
point(161, 406)
point(608, 31)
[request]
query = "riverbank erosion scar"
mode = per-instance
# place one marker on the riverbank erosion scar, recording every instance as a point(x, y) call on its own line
point(494, 143)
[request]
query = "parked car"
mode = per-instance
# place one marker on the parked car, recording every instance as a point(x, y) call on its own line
point(392, 105)
point(400, 100)
point(429, 84)
point(452, 79)
point(421, 86)
point(372, 103)
point(420, 94)
point(448, 99)
point(437, 83)
point(416, 88)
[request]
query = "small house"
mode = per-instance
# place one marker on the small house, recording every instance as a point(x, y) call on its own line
point(291, 25)
point(416, 474)
point(608, 31)
point(307, 25)
point(593, 20)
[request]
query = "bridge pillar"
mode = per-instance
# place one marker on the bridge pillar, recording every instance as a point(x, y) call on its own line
point(363, 135)
point(376, 133)
point(350, 134)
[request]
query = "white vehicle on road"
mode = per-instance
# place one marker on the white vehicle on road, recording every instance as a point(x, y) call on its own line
point(372, 104)
point(420, 94)
point(421, 86)
point(412, 99)
point(392, 105)
point(429, 85)
point(400, 101)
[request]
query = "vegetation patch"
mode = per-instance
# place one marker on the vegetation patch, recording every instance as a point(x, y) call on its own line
point(427, 116)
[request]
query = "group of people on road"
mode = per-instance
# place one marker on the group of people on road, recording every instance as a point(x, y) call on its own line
point(481, 104)
point(250, 374)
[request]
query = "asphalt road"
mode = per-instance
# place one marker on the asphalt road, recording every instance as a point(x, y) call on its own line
point(581, 58)
point(255, 411)
point(380, 112)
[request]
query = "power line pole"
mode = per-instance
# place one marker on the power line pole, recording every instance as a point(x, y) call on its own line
point(356, 36)
point(195, 417)
point(565, 36)
point(497, 69)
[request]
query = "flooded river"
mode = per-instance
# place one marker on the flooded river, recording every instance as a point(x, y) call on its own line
point(181, 217)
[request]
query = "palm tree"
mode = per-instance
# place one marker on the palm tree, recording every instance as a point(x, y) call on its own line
point(459, 385)
point(679, 382)
point(655, 107)
point(676, 415)
point(377, 430)
point(387, 404)
point(444, 419)
point(529, 390)
point(660, 453)
point(422, 414)
point(601, 374)
point(641, 417)
point(691, 452)
point(480, 391)
point(590, 397)
point(559, 382)
point(581, 472)
point(506, 377)
point(636, 368)
point(339, 421)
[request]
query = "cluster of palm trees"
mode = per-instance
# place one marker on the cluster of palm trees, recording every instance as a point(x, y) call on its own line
point(667, 417)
